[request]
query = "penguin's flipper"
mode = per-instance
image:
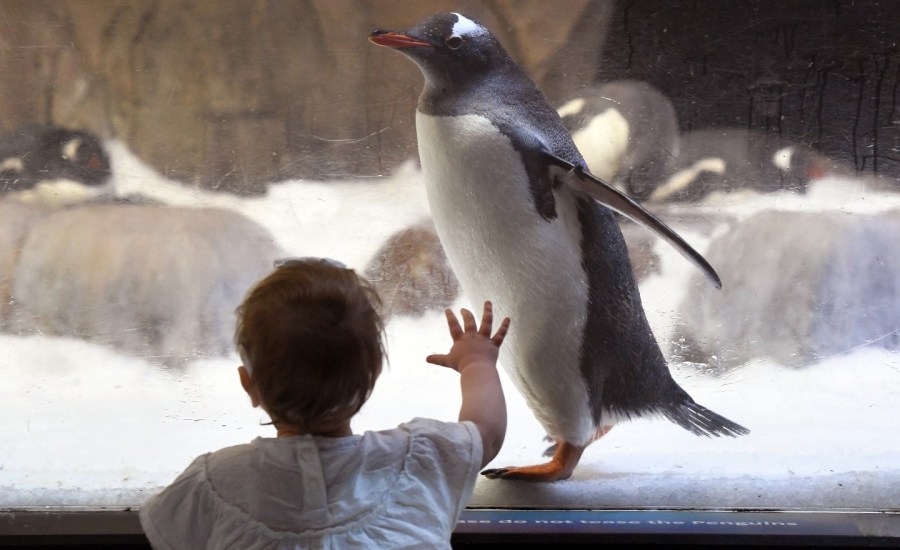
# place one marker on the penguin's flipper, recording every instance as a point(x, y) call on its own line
point(577, 177)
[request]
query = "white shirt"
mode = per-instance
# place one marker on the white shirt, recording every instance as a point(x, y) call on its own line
point(400, 488)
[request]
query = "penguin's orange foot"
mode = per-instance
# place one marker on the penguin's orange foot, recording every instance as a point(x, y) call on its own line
point(560, 467)
point(551, 471)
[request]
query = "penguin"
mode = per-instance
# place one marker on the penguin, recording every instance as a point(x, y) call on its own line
point(729, 159)
point(628, 133)
point(521, 220)
point(47, 163)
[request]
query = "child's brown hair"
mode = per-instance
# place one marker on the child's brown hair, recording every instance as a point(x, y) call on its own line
point(312, 339)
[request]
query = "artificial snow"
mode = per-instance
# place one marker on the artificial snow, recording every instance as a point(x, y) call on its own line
point(83, 425)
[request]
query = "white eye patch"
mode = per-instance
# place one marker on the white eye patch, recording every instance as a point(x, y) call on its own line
point(782, 158)
point(12, 164)
point(70, 149)
point(466, 27)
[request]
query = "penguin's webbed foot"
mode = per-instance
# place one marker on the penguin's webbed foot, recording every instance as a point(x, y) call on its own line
point(560, 467)
point(551, 471)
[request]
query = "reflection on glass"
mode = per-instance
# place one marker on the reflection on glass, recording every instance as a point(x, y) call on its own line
point(157, 159)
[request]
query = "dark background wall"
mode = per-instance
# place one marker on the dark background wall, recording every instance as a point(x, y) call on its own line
point(234, 94)
point(825, 73)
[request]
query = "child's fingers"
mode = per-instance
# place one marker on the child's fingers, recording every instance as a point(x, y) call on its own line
point(437, 359)
point(487, 319)
point(456, 331)
point(501, 332)
point(468, 321)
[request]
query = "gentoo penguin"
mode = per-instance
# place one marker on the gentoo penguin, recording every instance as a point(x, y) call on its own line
point(734, 159)
point(47, 163)
point(515, 210)
point(627, 131)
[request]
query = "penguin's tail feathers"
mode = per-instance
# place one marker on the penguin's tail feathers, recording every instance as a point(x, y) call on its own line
point(699, 420)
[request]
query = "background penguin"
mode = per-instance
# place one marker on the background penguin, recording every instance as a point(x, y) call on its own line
point(45, 163)
point(627, 131)
point(512, 205)
point(732, 159)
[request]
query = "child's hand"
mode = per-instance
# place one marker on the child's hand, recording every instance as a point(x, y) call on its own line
point(471, 345)
point(474, 356)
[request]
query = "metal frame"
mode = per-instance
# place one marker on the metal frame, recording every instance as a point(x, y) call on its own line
point(96, 527)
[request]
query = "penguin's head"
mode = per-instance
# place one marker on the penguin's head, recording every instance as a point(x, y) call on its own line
point(76, 155)
point(53, 165)
point(449, 48)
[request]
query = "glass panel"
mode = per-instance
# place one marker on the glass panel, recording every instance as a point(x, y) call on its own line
point(158, 156)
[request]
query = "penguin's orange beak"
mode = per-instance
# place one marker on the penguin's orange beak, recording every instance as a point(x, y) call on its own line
point(392, 39)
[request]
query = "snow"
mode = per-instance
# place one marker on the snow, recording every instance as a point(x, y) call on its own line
point(83, 425)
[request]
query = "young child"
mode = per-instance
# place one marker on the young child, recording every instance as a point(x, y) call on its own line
point(311, 344)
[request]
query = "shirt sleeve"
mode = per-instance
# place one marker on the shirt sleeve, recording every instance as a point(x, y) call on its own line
point(448, 455)
point(181, 515)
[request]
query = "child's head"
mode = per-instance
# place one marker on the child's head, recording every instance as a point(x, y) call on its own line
point(311, 340)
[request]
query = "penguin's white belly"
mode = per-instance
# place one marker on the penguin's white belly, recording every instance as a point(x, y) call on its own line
point(502, 250)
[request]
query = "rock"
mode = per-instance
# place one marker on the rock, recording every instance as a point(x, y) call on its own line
point(161, 283)
point(797, 287)
point(411, 273)
point(16, 219)
point(234, 95)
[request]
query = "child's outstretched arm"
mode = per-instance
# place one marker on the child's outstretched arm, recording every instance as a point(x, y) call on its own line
point(474, 356)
